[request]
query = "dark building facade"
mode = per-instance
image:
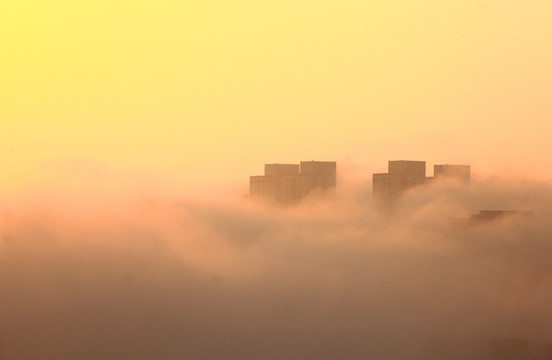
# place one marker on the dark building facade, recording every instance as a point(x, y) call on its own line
point(288, 184)
point(401, 176)
point(405, 174)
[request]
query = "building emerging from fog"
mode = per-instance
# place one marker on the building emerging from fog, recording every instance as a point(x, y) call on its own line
point(459, 172)
point(287, 184)
point(405, 174)
point(401, 176)
point(485, 216)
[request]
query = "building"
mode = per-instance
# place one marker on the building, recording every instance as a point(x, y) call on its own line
point(401, 176)
point(485, 216)
point(288, 184)
point(459, 172)
point(280, 182)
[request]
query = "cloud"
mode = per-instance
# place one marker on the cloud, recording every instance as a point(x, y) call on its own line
point(229, 278)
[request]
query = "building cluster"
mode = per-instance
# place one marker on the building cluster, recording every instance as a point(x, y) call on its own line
point(287, 184)
point(403, 175)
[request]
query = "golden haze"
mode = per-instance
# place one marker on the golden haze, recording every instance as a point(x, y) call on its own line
point(208, 91)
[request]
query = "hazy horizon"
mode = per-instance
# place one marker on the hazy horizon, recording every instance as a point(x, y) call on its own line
point(129, 131)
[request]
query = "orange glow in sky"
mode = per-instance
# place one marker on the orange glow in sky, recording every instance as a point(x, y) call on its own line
point(208, 91)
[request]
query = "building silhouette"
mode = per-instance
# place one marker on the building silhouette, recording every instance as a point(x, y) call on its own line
point(459, 172)
point(288, 184)
point(405, 174)
point(401, 176)
point(485, 216)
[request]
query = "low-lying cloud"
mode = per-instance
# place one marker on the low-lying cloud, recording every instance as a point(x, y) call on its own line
point(234, 279)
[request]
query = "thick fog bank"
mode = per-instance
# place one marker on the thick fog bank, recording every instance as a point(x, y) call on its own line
point(234, 279)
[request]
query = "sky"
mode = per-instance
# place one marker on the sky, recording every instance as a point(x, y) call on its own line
point(206, 92)
point(129, 130)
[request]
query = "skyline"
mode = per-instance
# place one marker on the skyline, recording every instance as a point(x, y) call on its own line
point(131, 130)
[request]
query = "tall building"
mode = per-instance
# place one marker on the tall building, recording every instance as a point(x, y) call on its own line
point(401, 176)
point(287, 184)
point(459, 172)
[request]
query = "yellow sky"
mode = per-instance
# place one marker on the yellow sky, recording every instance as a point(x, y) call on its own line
point(211, 90)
